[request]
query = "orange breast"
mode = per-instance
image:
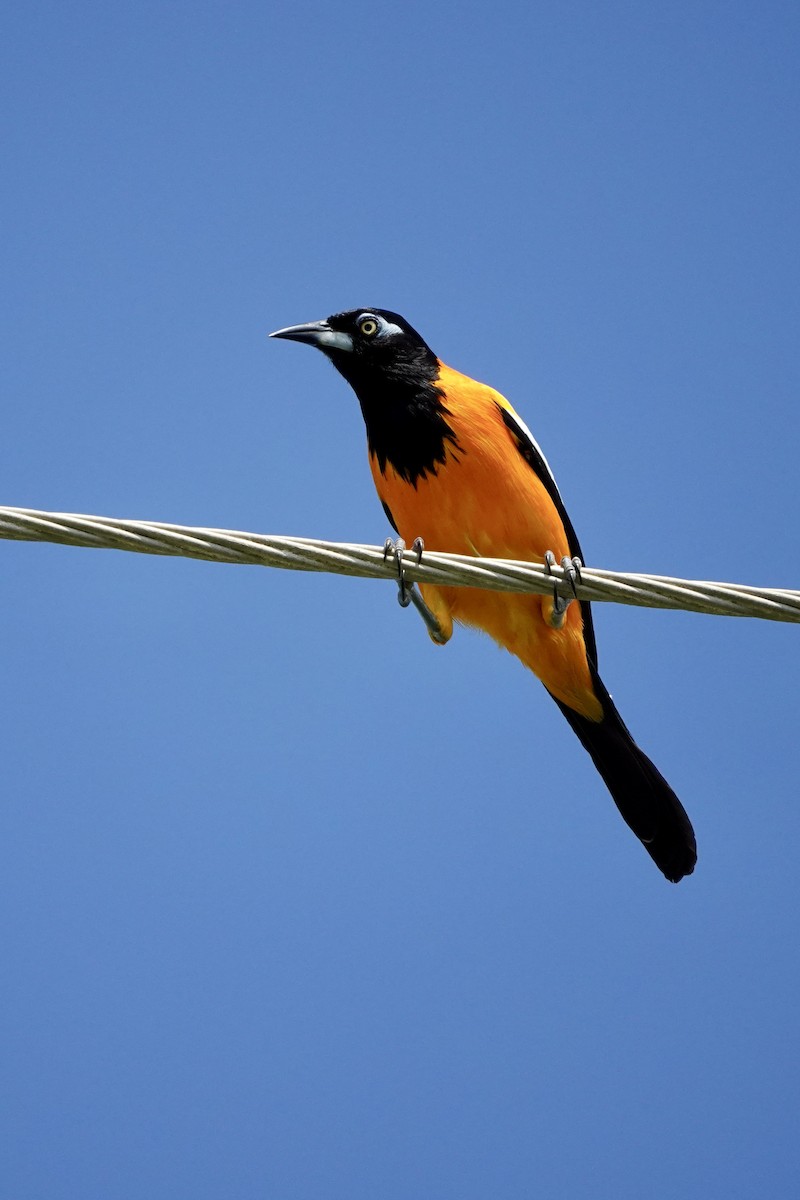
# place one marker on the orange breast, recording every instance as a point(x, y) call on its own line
point(487, 500)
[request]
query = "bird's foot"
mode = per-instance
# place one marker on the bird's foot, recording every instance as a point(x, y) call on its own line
point(398, 549)
point(409, 593)
point(572, 574)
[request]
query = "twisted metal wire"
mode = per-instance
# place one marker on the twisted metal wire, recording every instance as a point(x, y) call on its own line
point(369, 562)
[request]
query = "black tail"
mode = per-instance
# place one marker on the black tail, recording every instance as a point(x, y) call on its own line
point(641, 793)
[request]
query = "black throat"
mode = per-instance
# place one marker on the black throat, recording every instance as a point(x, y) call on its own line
point(403, 410)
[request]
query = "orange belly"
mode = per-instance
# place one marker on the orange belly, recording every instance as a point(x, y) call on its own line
point(486, 500)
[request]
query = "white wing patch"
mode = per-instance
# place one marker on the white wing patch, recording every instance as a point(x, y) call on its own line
point(525, 435)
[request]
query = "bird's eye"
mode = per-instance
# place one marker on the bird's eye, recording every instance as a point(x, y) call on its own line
point(368, 326)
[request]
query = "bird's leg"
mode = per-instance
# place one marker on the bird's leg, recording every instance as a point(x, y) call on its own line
point(572, 571)
point(409, 593)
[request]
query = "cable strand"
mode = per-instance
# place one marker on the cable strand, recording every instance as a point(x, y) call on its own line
point(367, 562)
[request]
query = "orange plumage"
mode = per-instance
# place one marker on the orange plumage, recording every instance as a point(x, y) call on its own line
point(486, 501)
point(454, 465)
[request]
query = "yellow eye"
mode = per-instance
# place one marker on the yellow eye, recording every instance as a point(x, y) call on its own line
point(369, 326)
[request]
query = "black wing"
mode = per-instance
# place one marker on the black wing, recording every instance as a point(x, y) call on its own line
point(528, 448)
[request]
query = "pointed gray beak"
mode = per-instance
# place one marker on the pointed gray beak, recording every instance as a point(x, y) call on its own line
point(316, 333)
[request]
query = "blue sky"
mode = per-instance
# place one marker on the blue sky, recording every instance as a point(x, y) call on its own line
point(294, 904)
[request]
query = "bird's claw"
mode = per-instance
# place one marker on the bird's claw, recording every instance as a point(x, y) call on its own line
point(572, 573)
point(409, 593)
point(398, 549)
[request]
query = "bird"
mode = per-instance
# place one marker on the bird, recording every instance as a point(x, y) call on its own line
point(457, 470)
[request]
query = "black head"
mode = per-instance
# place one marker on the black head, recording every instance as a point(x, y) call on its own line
point(393, 372)
point(367, 343)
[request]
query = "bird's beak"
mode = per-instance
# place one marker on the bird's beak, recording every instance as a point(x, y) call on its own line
point(316, 333)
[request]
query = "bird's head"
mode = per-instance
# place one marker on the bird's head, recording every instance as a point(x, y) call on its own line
point(366, 344)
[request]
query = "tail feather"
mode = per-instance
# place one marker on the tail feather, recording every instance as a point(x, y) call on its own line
point(645, 800)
